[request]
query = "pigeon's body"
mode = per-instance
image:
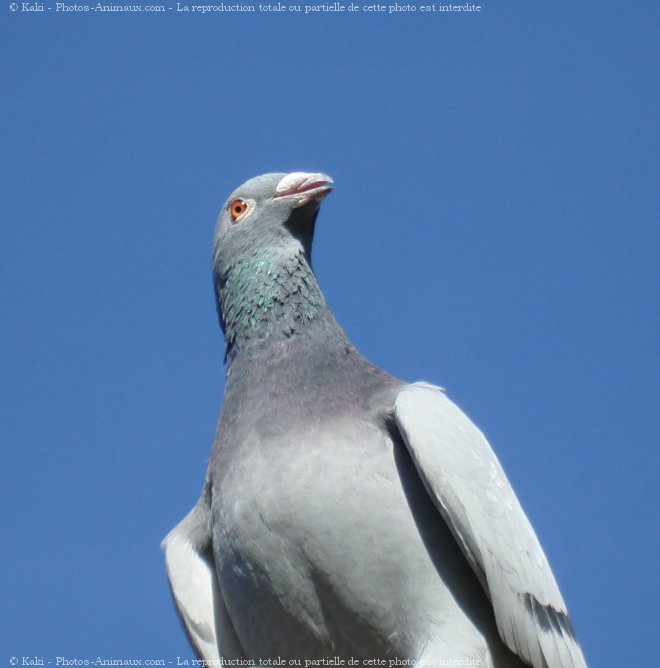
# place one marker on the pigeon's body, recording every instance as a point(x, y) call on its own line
point(320, 518)
point(329, 525)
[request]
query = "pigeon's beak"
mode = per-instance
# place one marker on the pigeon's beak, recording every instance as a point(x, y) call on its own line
point(304, 188)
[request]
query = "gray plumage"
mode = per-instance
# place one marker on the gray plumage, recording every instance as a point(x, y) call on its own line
point(345, 513)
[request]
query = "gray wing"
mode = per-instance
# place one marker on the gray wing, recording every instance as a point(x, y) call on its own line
point(471, 491)
point(195, 588)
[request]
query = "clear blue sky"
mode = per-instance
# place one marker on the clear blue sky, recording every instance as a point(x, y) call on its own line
point(491, 231)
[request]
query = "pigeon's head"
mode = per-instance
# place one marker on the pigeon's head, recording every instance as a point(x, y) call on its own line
point(272, 214)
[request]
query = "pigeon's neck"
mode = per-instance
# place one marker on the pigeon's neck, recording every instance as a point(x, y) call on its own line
point(268, 303)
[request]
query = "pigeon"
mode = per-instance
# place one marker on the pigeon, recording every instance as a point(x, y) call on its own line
point(347, 517)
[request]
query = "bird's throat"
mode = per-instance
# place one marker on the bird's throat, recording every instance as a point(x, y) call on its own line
point(267, 302)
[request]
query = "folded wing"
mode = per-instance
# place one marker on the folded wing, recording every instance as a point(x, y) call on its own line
point(472, 493)
point(195, 587)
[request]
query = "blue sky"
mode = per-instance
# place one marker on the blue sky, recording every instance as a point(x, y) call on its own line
point(491, 231)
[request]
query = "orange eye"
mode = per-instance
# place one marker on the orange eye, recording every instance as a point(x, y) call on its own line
point(237, 208)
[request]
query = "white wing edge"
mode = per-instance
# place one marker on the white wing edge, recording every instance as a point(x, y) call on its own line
point(529, 610)
point(195, 588)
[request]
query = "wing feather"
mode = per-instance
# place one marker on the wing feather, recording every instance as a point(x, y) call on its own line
point(471, 491)
point(195, 587)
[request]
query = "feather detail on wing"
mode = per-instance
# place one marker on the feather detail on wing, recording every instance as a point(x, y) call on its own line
point(471, 491)
point(195, 587)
